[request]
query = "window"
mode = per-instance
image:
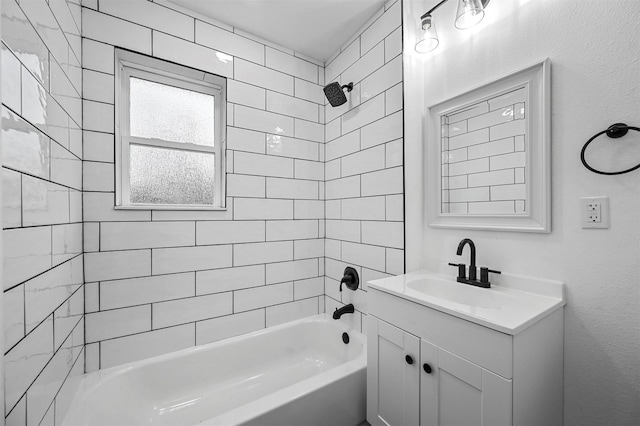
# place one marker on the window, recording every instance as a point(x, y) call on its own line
point(170, 135)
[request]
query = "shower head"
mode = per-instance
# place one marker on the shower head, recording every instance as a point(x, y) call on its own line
point(335, 93)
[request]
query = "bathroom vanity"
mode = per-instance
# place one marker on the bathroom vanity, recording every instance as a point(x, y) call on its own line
point(446, 353)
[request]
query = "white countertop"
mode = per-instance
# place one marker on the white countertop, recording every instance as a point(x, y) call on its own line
point(509, 307)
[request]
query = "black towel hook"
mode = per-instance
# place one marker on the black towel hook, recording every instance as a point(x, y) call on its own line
point(614, 131)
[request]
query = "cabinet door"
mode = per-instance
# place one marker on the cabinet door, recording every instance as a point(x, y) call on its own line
point(393, 389)
point(457, 392)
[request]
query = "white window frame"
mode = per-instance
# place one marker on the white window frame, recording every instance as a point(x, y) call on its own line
point(129, 64)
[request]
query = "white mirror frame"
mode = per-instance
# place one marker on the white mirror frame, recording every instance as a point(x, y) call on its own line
point(536, 79)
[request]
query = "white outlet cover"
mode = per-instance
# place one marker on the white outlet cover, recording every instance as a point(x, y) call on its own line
point(604, 212)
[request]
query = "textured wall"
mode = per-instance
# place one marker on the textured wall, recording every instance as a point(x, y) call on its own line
point(595, 82)
point(42, 208)
point(159, 281)
point(364, 162)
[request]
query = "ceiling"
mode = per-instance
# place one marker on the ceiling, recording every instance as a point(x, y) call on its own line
point(316, 28)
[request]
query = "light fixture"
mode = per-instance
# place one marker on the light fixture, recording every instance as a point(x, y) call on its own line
point(469, 13)
point(429, 39)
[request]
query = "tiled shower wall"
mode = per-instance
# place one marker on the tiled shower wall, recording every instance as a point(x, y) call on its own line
point(42, 208)
point(364, 162)
point(159, 281)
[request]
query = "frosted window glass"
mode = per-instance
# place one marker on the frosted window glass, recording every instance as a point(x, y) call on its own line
point(168, 176)
point(170, 113)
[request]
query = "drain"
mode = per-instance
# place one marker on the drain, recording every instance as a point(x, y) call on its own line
point(345, 338)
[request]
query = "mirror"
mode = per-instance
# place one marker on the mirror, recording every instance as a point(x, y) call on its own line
point(488, 155)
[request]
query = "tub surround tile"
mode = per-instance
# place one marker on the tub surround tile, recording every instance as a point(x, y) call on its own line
point(292, 311)
point(229, 326)
point(186, 259)
point(228, 279)
point(228, 42)
point(138, 291)
point(117, 322)
point(259, 297)
point(174, 312)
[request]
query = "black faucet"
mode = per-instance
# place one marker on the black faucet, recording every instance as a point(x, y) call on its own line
point(346, 309)
point(462, 268)
point(350, 278)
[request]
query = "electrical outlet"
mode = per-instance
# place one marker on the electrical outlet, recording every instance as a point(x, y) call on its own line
point(594, 212)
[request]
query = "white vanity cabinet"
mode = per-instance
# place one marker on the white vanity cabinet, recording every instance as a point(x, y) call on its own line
point(430, 367)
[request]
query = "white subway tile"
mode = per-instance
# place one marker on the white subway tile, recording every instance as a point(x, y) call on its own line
point(13, 306)
point(333, 249)
point(43, 111)
point(291, 311)
point(98, 207)
point(364, 66)
point(223, 232)
point(27, 252)
point(343, 145)
point(333, 129)
point(67, 317)
point(309, 130)
point(43, 202)
point(333, 169)
point(91, 297)
point(492, 118)
point(345, 230)
point(364, 161)
point(98, 86)
point(383, 182)
point(472, 166)
point(388, 234)
point(308, 209)
point(245, 140)
point(228, 279)
point(294, 107)
point(382, 27)
point(24, 148)
point(229, 326)
point(501, 146)
point(363, 114)
point(291, 65)
point(117, 264)
point(291, 271)
point(508, 192)
point(174, 312)
point(310, 287)
point(263, 121)
point(513, 128)
point(47, 27)
point(395, 261)
point(395, 207)
point(246, 94)
point(367, 208)
point(65, 93)
point(308, 91)
point(469, 139)
point(117, 32)
point(348, 187)
point(291, 229)
point(69, 387)
point(353, 100)
point(26, 360)
point(384, 78)
point(259, 297)
point(312, 170)
point(262, 209)
point(18, 415)
point(66, 242)
point(256, 253)
point(492, 207)
point(98, 146)
point(92, 357)
point(192, 55)
point(394, 153)
point(145, 345)
point(97, 56)
point(11, 199)
point(263, 77)
point(500, 177)
point(97, 176)
point(393, 99)
point(135, 235)
point(66, 168)
point(245, 186)
point(384, 130)
point(292, 188)
point(290, 147)
point(469, 195)
point(469, 112)
point(11, 79)
point(393, 45)
point(305, 249)
point(138, 291)
point(510, 98)
point(162, 215)
point(262, 165)
point(98, 116)
point(117, 322)
point(343, 61)
point(228, 42)
point(506, 161)
point(184, 259)
point(363, 255)
point(152, 15)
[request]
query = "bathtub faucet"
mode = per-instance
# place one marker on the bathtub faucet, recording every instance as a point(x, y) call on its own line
point(346, 309)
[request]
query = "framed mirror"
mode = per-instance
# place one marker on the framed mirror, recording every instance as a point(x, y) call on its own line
point(488, 155)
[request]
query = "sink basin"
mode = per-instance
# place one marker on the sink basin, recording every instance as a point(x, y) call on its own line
point(462, 294)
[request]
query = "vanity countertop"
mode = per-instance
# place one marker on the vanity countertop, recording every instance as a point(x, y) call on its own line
point(509, 306)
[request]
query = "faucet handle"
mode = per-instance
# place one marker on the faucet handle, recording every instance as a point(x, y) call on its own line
point(462, 269)
point(484, 274)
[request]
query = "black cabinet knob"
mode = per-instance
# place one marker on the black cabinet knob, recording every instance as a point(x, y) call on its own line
point(409, 359)
point(427, 368)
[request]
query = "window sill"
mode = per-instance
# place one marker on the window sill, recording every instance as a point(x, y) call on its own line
point(170, 208)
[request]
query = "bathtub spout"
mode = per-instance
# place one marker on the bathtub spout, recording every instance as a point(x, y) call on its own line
point(346, 309)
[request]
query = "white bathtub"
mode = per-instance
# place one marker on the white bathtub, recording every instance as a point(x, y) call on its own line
point(300, 373)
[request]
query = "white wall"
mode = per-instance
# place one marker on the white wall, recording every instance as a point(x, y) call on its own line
point(42, 208)
point(364, 159)
point(159, 281)
point(595, 83)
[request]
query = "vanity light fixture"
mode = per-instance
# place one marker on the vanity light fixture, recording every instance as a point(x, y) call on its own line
point(470, 13)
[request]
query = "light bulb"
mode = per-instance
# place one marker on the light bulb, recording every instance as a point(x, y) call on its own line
point(429, 38)
point(470, 13)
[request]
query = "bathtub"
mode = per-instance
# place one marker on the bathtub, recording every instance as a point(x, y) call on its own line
point(299, 373)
